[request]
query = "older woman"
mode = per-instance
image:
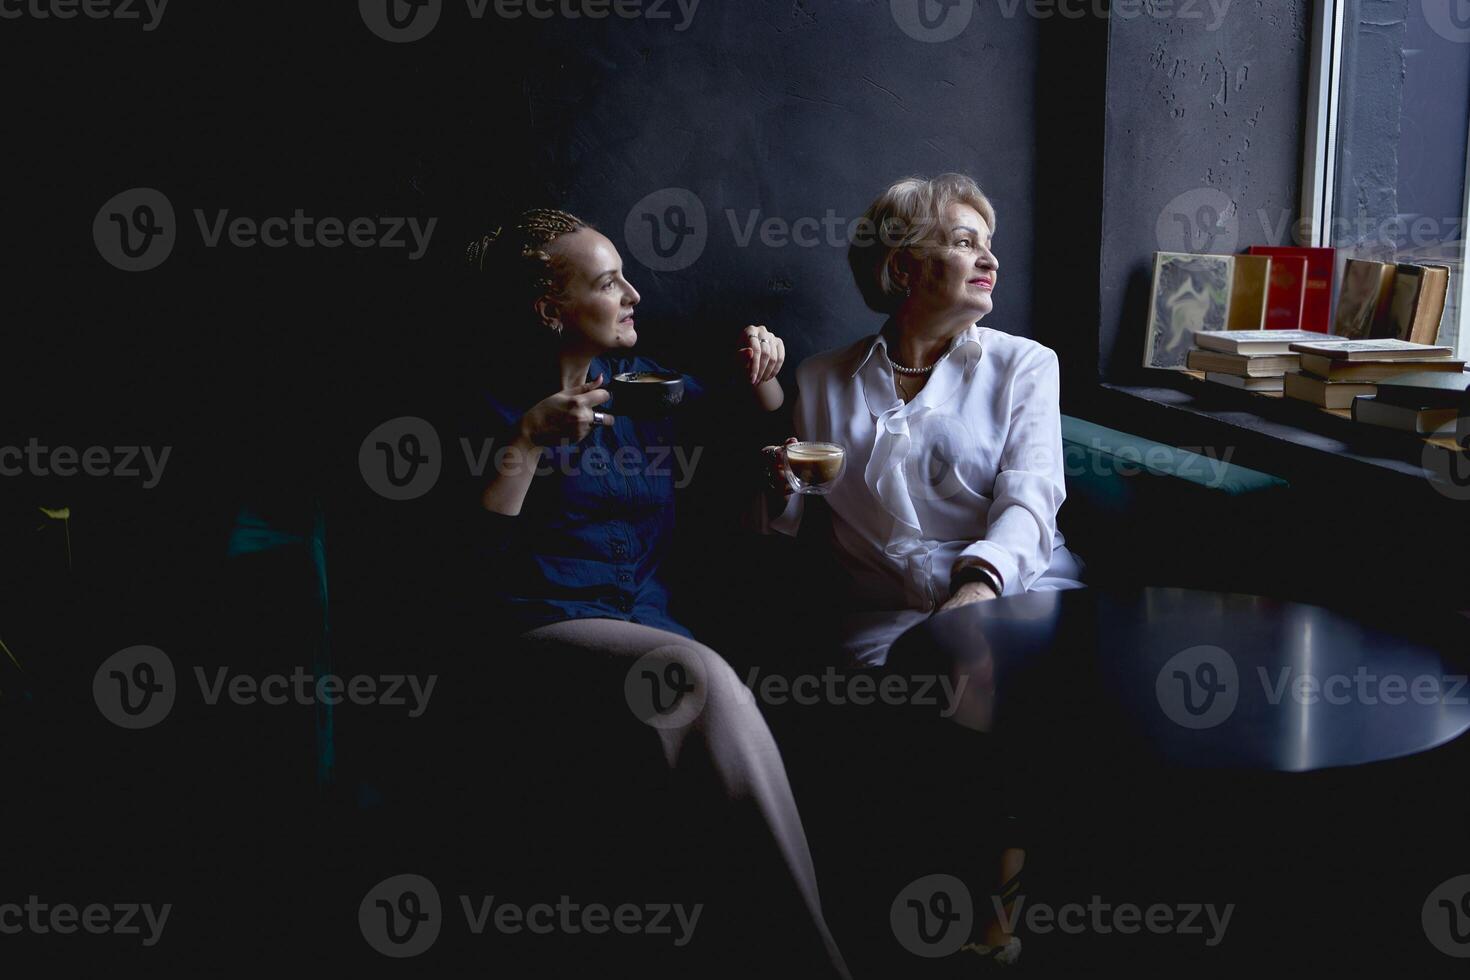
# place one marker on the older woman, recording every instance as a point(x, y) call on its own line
point(954, 477)
point(952, 430)
point(578, 517)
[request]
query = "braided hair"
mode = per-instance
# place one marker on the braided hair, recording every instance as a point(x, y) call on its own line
point(515, 261)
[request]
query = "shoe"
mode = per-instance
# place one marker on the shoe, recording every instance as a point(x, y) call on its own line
point(1006, 955)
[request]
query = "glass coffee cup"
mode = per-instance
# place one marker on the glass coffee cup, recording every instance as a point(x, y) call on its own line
point(812, 467)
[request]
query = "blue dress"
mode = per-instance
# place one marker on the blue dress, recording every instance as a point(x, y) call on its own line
point(597, 522)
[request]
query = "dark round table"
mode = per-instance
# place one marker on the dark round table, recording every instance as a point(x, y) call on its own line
point(1299, 764)
point(1203, 679)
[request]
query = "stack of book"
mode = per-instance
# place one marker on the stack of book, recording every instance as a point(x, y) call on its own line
point(1334, 372)
point(1255, 360)
point(1282, 289)
point(1424, 402)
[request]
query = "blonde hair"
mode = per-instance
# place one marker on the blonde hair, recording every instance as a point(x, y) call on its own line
point(516, 260)
point(906, 215)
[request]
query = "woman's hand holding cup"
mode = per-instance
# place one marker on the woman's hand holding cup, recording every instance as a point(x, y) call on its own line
point(567, 415)
point(775, 468)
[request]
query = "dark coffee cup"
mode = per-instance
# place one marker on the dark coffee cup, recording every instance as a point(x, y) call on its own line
point(645, 394)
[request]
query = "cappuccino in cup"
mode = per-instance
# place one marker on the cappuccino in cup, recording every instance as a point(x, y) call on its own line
point(813, 467)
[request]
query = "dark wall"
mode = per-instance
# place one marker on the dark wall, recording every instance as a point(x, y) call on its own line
point(773, 110)
point(1203, 149)
point(761, 110)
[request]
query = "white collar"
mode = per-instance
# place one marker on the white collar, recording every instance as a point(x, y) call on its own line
point(970, 335)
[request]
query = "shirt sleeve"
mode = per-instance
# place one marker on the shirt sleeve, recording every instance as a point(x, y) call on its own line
point(1030, 483)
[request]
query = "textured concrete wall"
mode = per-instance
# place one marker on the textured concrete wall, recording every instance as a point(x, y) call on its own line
point(774, 111)
point(1203, 147)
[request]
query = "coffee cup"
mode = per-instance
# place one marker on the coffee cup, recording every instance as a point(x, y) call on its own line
point(813, 467)
point(645, 394)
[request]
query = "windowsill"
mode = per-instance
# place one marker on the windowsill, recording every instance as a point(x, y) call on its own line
point(1287, 422)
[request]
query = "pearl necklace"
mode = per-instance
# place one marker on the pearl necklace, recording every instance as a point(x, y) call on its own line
point(908, 370)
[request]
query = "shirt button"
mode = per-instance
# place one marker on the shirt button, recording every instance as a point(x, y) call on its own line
point(625, 577)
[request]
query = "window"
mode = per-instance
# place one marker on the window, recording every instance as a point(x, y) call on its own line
point(1387, 136)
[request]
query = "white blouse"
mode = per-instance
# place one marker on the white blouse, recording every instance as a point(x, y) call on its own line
point(971, 467)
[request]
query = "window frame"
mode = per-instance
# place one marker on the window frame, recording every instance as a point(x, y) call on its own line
point(1319, 165)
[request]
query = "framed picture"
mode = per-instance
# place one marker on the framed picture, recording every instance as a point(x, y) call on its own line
point(1190, 292)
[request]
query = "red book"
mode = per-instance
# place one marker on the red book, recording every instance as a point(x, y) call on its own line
point(1317, 310)
point(1286, 293)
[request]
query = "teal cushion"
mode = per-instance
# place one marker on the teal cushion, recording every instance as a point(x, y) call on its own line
point(1100, 459)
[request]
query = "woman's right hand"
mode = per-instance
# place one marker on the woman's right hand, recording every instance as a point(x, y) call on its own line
point(569, 415)
point(776, 468)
